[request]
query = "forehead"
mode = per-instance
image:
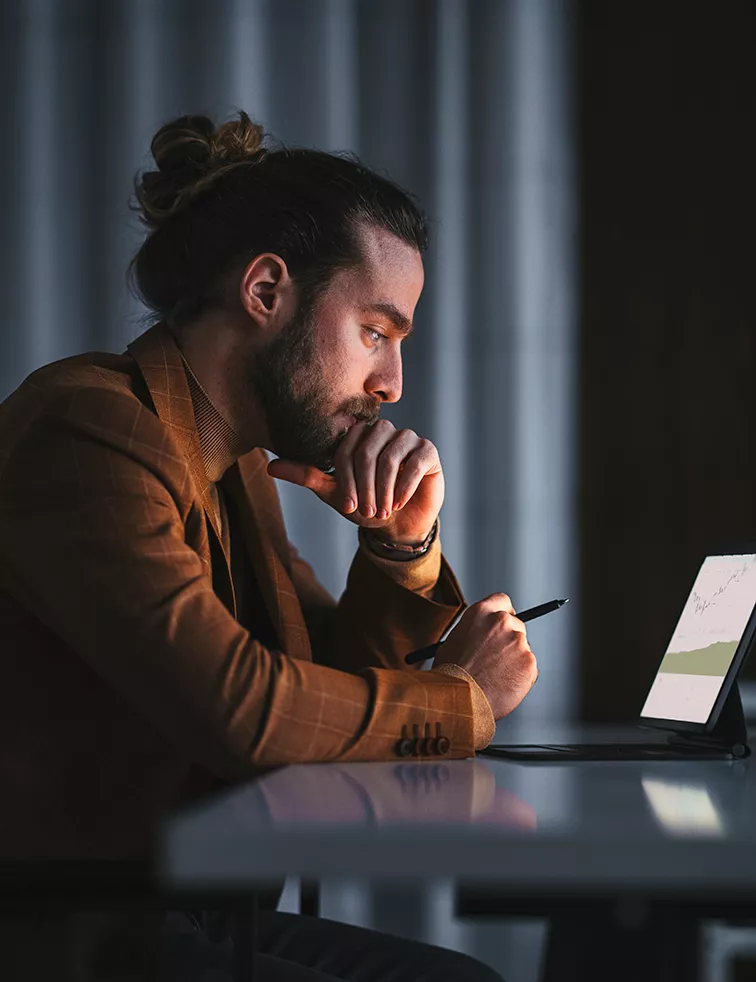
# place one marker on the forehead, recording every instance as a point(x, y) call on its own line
point(391, 271)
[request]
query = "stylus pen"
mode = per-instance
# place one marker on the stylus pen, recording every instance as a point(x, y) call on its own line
point(527, 615)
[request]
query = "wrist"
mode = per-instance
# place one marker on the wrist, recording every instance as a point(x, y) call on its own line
point(408, 542)
point(400, 548)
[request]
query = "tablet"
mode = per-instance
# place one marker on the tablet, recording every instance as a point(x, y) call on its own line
point(707, 648)
point(694, 693)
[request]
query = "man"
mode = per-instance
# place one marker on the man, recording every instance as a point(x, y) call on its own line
point(161, 637)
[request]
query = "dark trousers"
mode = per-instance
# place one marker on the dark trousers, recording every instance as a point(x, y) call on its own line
point(296, 948)
point(145, 945)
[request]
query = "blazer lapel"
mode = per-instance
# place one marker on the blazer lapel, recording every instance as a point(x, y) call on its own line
point(159, 360)
point(265, 535)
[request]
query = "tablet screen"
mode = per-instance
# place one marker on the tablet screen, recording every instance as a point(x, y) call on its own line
point(705, 640)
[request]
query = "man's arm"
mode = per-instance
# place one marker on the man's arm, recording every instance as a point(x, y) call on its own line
point(95, 501)
point(388, 608)
point(342, 637)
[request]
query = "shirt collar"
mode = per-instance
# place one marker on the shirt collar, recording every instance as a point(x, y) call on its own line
point(221, 445)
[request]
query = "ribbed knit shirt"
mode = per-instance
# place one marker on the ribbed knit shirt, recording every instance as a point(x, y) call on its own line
point(221, 446)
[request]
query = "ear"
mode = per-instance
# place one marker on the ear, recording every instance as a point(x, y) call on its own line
point(266, 289)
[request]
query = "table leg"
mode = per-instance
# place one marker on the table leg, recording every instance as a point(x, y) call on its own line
point(309, 898)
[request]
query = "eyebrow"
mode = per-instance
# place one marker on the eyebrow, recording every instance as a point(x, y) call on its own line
point(400, 323)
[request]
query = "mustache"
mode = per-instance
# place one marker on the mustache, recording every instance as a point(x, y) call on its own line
point(363, 414)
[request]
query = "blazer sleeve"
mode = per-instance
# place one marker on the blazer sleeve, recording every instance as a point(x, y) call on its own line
point(388, 608)
point(95, 501)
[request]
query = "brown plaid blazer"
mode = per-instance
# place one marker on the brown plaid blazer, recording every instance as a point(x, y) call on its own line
point(127, 686)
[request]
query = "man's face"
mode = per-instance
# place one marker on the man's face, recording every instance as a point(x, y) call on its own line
point(333, 364)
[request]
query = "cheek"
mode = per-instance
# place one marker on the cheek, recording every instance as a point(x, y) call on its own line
point(341, 365)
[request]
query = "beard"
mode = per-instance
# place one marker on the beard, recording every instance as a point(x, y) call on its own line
point(296, 398)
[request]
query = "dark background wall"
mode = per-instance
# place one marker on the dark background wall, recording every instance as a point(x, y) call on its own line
point(668, 356)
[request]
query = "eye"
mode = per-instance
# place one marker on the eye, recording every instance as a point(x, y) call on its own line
point(375, 336)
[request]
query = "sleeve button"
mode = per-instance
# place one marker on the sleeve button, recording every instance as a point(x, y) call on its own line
point(427, 744)
point(416, 743)
point(404, 746)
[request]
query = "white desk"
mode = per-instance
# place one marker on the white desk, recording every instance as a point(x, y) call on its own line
point(674, 827)
point(625, 859)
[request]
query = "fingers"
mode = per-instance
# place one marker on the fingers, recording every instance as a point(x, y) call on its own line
point(379, 467)
point(531, 667)
point(388, 490)
point(305, 476)
point(422, 460)
point(498, 609)
point(344, 465)
point(365, 461)
point(497, 601)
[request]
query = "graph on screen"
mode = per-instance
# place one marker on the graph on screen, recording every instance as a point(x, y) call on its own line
point(705, 640)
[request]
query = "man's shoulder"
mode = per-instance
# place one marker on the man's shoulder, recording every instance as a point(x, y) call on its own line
point(95, 389)
point(91, 370)
point(81, 382)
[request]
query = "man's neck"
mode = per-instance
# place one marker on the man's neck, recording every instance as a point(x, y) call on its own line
point(217, 363)
point(221, 446)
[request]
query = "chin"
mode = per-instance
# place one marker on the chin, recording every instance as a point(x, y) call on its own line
point(323, 460)
point(314, 446)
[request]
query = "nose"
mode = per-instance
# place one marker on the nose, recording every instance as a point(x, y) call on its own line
point(385, 382)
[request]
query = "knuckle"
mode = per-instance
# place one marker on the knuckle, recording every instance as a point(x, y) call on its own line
point(406, 438)
point(497, 600)
point(364, 453)
point(390, 456)
point(412, 466)
point(504, 619)
point(382, 475)
point(342, 452)
point(493, 620)
point(483, 606)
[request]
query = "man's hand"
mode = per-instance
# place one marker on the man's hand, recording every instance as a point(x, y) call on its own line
point(490, 643)
point(385, 479)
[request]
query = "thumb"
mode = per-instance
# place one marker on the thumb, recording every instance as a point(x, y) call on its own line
point(305, 476)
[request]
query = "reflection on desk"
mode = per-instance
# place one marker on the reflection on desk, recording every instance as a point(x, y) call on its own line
point(382, 793)
point(683, 809)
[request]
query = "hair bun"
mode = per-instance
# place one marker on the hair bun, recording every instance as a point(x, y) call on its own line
point(189, 152)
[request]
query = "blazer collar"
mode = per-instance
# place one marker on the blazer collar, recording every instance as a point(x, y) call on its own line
point(159, 360)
